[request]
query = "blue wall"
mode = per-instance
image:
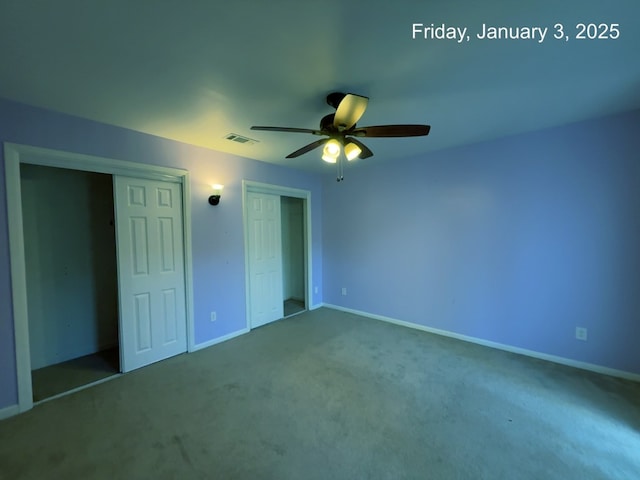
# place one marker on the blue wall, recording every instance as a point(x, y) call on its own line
point(217, 233)
point(515, 241)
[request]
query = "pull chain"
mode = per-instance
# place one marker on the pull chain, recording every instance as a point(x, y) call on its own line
point(340, 168)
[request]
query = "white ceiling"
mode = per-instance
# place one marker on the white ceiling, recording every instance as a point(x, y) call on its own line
point(195, 71)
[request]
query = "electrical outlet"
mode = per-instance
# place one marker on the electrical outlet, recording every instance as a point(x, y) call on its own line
point(315, 290)
point(581, 333)
point(213, 316)
point(344, 290)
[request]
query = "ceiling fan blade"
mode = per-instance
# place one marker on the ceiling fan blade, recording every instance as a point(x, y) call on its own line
point(287, 129)
point(366, 153)
point(392, 131)
point(349, 111)
point(308, 148)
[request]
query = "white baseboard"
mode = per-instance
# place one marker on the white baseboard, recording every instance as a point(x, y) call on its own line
point(10, 411)
point(215, 341)
point(499, 346)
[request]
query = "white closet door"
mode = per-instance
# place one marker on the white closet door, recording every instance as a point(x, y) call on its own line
point(149, 238)
point(265, 258)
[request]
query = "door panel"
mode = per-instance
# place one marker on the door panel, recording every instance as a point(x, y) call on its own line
point(265, 258)
point(142, 319)
point(170, 315)
point(150, 271)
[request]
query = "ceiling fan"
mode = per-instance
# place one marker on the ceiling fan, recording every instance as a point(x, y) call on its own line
point(340, 129)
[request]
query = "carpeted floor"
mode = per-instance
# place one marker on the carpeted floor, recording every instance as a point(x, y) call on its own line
point(330, 395)
point(62, 377)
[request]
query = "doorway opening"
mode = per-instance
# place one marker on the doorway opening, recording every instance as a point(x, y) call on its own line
point(293, 255)
point(72, 283)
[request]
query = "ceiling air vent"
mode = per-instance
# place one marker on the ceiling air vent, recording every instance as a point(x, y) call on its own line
point(234, 137)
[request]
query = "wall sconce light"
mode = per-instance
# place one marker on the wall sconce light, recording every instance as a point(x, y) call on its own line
point(217, 192)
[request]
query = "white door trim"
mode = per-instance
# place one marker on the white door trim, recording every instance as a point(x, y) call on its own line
point(258, 187)
point(14, 155)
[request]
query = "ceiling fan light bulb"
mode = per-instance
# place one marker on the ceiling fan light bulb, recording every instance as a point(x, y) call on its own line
point(332, 148)
point(329, 158)
point(351, 150)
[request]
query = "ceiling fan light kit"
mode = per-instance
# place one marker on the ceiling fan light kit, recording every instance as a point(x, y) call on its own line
point(351, 151)
point(329, 154)
point(341, 129)
point(332, 148)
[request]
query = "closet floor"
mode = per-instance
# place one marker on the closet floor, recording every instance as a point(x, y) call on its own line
point(292, 307)
point(65, 376)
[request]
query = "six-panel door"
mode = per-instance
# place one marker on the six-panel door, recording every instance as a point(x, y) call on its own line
point(265, 258)
point(150, 270)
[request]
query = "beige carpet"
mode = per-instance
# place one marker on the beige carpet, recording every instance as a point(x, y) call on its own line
point(328, 395)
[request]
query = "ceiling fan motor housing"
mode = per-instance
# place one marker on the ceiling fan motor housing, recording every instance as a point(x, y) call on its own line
point(326, 124)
